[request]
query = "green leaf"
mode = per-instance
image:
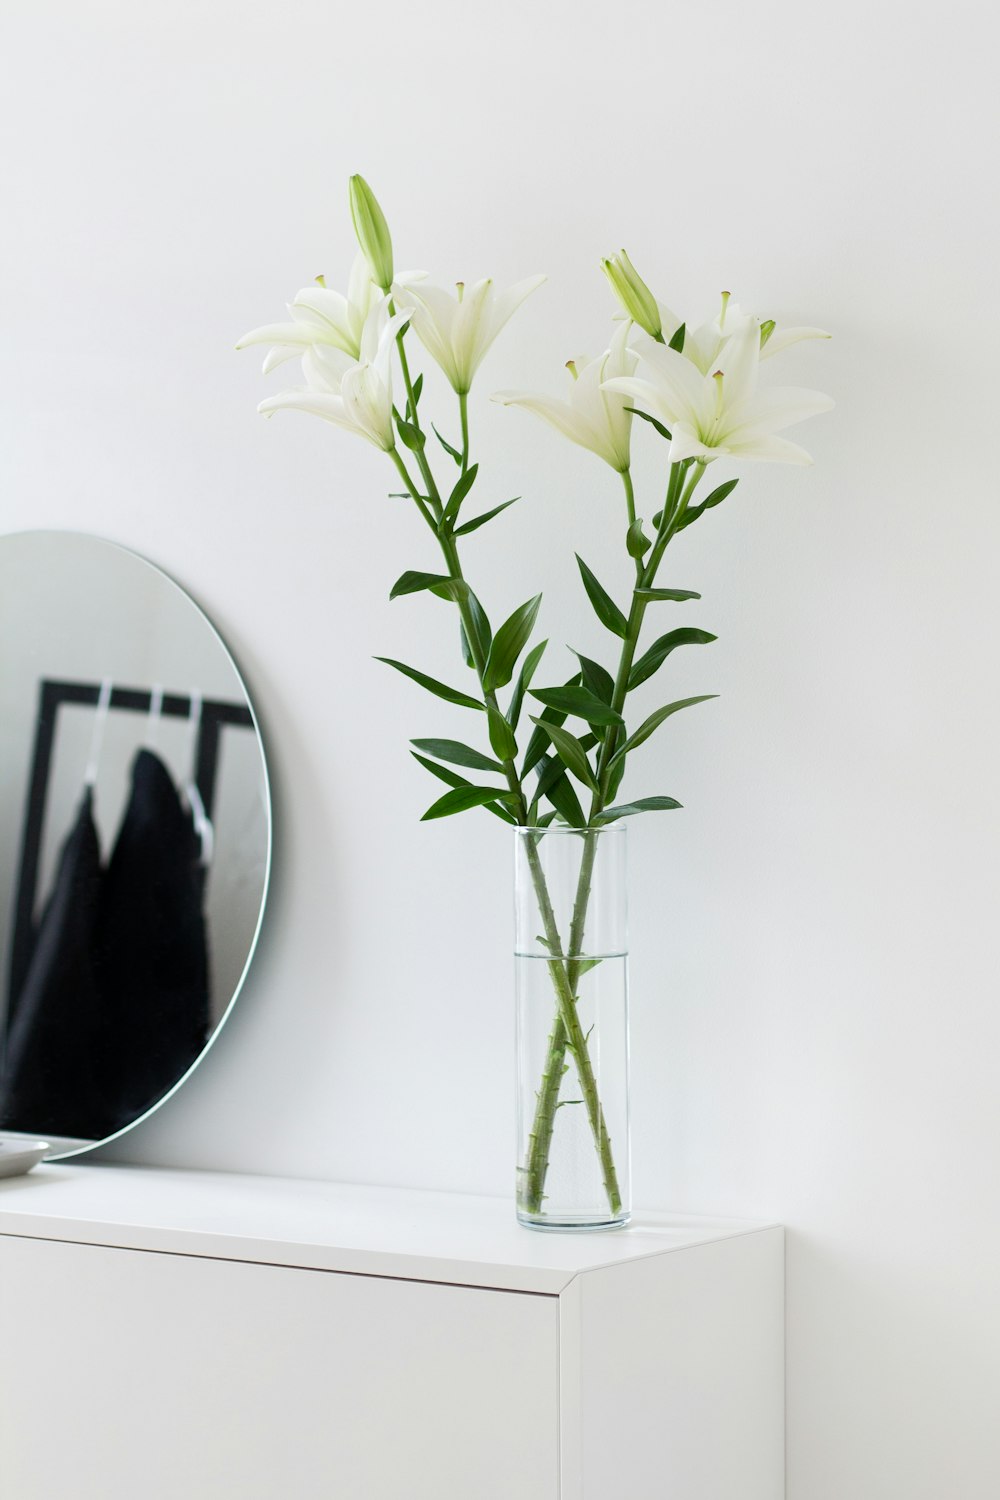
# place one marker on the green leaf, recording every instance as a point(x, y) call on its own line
point(579, 701)
point(637, 543)
point(566, 802)
point(677, 342)
point(478, 521)
point(571, 753)
point(677, 595)
point(481, 628)
point(501, 735)
point(458, 754)
point(412, 437)
point(452, 778)
point(614, 777)
point(418, 386)
point(596, 678)
point(524, 677)
point(441, 689)
point(460, 799)
point(447, 446)
point(655, 720)
point(539, 741)
point(652, 422)
point(605, 607)
point(643, 804)
point(458, 494)
point(439, 583)
point(550, 768)
point(661, 649)
point(508, 643)
point(715, 498)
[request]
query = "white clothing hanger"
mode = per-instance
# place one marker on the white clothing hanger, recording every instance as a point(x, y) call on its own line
point(202, 822)
point(97, 733)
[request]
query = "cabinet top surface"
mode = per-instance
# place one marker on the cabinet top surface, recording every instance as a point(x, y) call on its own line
point(326, 1226)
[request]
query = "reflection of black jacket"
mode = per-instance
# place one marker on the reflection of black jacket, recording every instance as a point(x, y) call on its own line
point(114, 1009)
point(151, 945)
point(52, 1081)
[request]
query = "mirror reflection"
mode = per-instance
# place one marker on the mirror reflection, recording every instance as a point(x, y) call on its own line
point(134, 836)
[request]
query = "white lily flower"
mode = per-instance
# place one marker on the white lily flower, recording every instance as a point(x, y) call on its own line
point(594, 416)
point(458, 331)
point(354, 395)
point(704, 345)
point(321, 316)
point(722, 412)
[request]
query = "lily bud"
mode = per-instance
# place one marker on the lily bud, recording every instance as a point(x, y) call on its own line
point(372, 232)
point(633, 294)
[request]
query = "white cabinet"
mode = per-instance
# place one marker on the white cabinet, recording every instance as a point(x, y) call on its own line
point(198, 1336)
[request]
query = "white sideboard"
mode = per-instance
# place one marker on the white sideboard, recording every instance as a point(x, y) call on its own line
point(172, 1335)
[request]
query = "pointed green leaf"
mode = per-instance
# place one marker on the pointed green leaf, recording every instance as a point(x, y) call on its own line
point(571, 753)
point(596, 678)
point(539, 741)
point(579, 701)
point(418, 386)
point(566, 802)
point(655, 720)
point(481, 629)
point(661, 649)
point(677, 342)
point(676, 595)
point(458, 494)
point(411, 435)
point(605, 607)
point(460, 799)
point(652, 422)
point(643, 804)
point(524, 677)
point(550, 768)
point(452, 778)
point(447, 446)
point(637, 543)
point(614, 777)
point(715, 498)
point(458, 754)
point(478, 521)
point(438, 583)
point(441, 689)
point(508, 643)
point(501, 735)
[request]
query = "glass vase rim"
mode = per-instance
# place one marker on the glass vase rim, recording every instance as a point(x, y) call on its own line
point(521, 830)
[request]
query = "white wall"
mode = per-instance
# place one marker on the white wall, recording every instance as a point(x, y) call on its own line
point(815, 954)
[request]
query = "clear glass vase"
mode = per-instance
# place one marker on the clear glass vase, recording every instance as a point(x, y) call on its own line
point(571, 964)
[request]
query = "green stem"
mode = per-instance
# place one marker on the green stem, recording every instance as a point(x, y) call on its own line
point(536, 1166)
point(563, 968)
point(463, 406)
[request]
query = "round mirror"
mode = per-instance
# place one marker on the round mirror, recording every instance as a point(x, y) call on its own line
point(135, 837)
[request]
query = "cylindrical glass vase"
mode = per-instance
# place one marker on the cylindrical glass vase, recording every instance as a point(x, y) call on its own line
point(571, 964)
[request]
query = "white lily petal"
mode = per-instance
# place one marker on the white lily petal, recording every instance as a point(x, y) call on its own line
point(278, 356)
point(277, 333)
point(767, 449)
point(687, 444)
point(783, 338)
point(774, 409)
point(739, 361)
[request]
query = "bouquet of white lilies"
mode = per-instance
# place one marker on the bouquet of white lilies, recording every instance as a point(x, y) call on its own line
point(697, 391)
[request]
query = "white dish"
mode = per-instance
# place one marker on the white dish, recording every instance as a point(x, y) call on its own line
point(19, 1154)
